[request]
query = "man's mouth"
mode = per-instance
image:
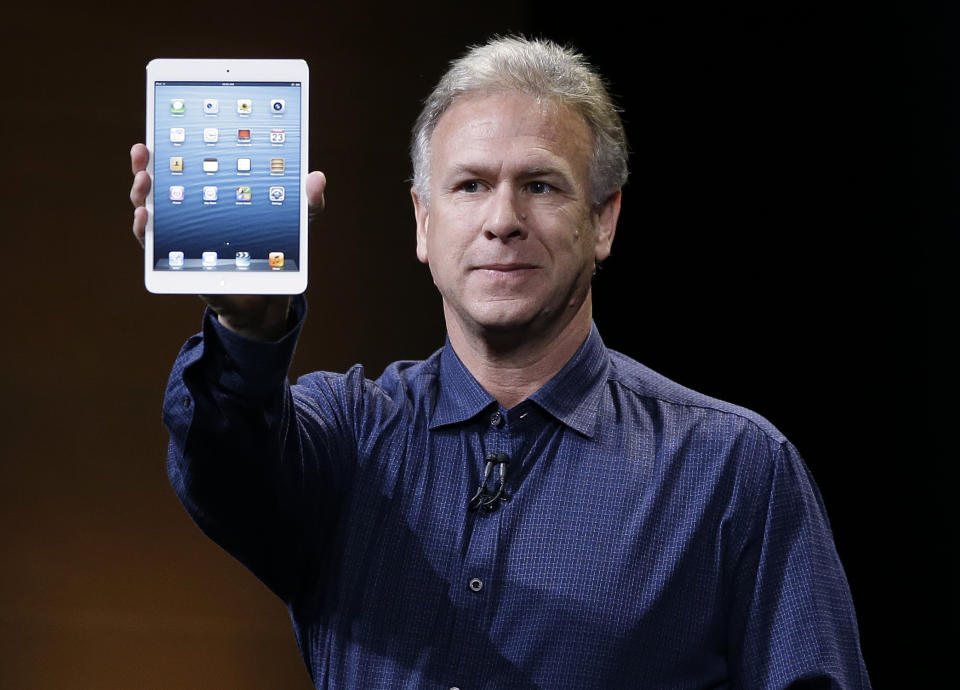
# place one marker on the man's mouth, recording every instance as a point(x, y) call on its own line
point(503, 267)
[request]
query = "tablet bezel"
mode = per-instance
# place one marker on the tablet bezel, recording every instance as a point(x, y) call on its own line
point(227, 282)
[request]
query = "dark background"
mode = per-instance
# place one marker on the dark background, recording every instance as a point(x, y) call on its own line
point(783, 245)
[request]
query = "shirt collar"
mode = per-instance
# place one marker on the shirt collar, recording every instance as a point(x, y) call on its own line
point(573, 396)
point(461, 396)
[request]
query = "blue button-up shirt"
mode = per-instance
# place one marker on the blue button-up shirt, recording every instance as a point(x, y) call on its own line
point(653, 537)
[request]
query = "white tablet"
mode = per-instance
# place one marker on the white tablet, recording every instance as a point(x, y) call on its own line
point(228, 163)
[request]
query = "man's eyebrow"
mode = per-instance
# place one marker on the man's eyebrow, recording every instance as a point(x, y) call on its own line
point(469, 169)
point(526, 173)
point(542, 171)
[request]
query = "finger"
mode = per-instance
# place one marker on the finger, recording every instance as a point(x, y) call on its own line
point(139, 157)
point(140, 223)
point(140, 188)
point(316, 185)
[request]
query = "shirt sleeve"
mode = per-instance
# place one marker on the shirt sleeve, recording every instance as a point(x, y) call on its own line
point(252, 475)
point(793, 623)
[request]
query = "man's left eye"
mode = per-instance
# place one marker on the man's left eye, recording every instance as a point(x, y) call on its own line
point(539, 187)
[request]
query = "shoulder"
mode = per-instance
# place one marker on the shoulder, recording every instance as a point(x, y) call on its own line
point(646, 388)
point(409, 375)
point(404, 380)
point(704, 445)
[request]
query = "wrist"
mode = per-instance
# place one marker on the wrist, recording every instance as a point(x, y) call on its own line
point(269, 322)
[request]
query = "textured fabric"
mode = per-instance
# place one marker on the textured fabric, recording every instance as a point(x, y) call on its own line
point(654, 537)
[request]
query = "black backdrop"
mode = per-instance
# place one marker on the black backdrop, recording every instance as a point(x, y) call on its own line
point(783, 245)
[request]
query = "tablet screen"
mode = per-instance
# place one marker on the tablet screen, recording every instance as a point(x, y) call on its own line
point(227, 176)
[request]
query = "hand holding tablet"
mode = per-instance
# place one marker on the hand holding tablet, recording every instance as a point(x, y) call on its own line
point(227, 199)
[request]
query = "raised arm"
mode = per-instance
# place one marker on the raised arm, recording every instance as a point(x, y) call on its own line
point(246, 468)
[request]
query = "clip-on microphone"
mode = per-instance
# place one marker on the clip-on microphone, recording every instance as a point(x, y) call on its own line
point(482, 497)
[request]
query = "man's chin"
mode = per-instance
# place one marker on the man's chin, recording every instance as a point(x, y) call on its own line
point(509, 329)
point(507, 321)
point(503, 321)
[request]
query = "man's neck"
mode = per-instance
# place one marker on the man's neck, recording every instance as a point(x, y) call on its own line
point(513, 366)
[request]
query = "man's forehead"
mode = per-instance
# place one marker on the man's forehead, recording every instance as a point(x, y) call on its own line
point(510, 112)
point(535, 132)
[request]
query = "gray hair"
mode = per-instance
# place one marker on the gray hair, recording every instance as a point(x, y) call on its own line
point(541, 69)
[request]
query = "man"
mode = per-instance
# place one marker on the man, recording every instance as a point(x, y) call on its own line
point(525, 508)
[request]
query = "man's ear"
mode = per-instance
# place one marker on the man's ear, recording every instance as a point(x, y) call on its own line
point(605, 224)
point(422, 214)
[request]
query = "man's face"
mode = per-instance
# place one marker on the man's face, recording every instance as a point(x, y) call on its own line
point(510, 235)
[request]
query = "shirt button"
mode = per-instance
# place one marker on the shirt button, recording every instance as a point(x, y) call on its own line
point(454, 687)
point(475, 585)
point(496, 418)
point(186, 401)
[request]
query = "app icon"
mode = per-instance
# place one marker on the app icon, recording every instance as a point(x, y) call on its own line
point(278, 136)
point(177, 134)
point(176, 259)
point(176, 193)
point(277, 106)
point(243, 136)
point(211, 106)
point(209, 259)
point(276, 166)
point(243, 259)
point(177, 106)
point(244, 106)
point(243, 165)
point(276, 259)
point(210, 193)
point(176, 163)
point(211, 135)
point(211, 165)
point(244, 194)
point(277, 194)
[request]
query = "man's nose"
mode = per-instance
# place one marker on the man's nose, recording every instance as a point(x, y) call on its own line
point(505, 217)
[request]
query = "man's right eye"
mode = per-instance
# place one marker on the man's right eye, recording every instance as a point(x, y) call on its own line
point(471, 186)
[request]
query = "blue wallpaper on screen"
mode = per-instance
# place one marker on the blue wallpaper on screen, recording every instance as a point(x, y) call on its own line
point(258, 227)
